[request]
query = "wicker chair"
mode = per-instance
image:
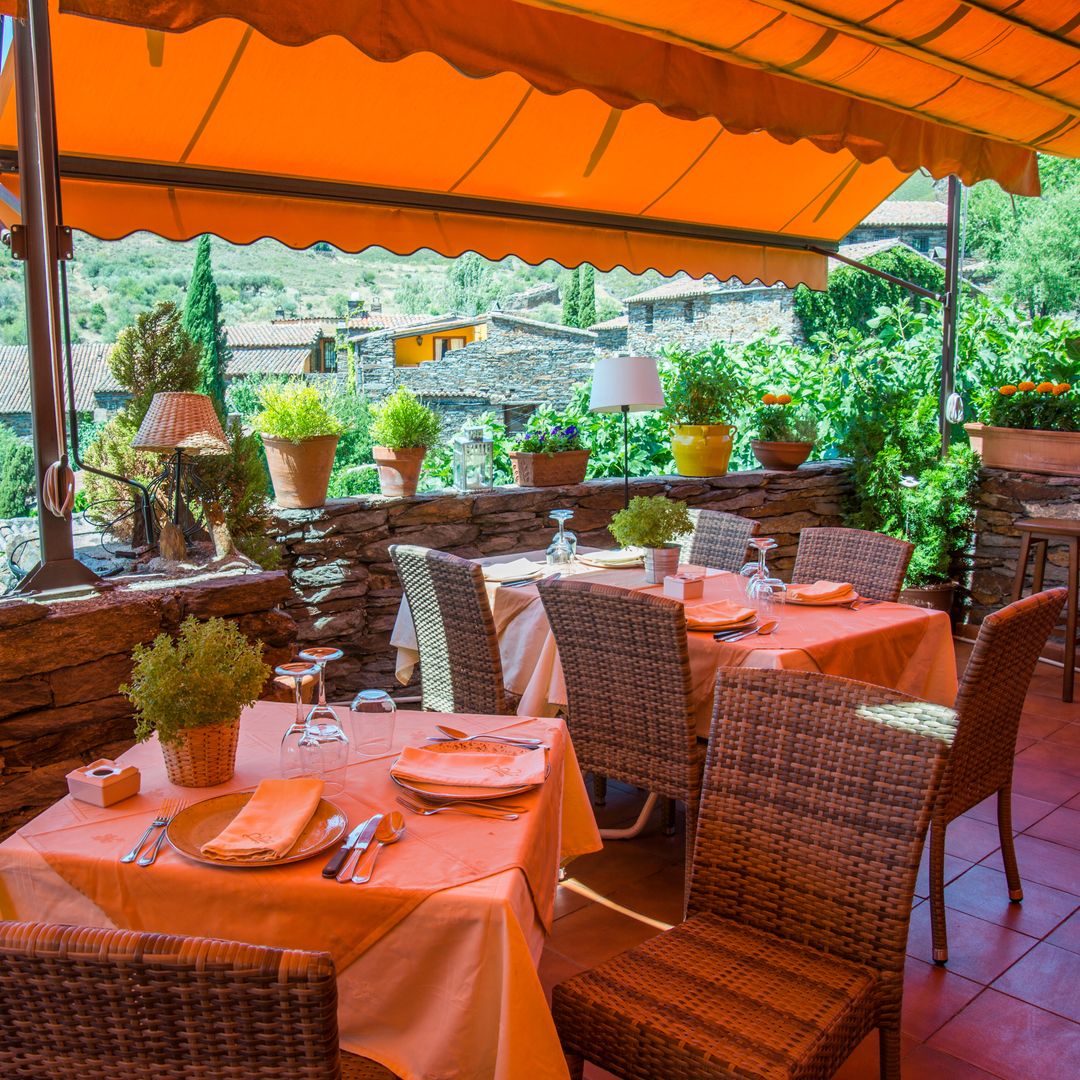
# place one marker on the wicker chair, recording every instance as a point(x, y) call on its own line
point(875, 564)
point(627, 669)
point(719, 540)
point(460, 668)
point(989, 705)
point(817, 796)
point(124, 1005)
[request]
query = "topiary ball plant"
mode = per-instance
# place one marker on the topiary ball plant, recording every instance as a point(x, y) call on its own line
point(650, 522)
point(295, 412)
point(402, 422)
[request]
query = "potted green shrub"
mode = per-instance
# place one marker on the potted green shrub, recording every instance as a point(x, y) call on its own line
point(189, 691)
point(1029, 427)
point(703, 392)
point(785, 433)
point(402, 429)
point(549, 454)
point(653, 523)
point(300, 435)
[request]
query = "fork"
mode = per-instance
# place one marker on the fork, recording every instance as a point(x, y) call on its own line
point(474, 811)
point(164, 815)
point(148, 858)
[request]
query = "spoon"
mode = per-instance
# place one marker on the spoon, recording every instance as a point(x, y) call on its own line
point(464, 736)
point(391, 829)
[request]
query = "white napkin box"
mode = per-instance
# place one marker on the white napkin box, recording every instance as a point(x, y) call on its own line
point(684, 586)
point(103, 782)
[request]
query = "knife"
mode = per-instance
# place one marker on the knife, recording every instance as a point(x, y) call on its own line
point(361, 845)
point(334, 865)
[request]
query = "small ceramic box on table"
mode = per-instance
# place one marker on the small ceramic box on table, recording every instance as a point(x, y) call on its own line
point(684, 586)
point(103, 782)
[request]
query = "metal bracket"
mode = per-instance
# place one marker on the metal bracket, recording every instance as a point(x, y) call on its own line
point(15, 238)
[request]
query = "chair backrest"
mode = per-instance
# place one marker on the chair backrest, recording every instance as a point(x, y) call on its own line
point(719, 540)
point(626, 664)
point(815, 804)
point(873, 562)
point(460, 668)
point(128, 1005)
point(991, 697)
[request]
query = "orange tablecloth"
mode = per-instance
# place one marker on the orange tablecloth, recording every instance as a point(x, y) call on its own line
point(894, 645)
point(457, 908)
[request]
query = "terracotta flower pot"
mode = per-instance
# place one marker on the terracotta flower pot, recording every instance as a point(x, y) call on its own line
point(202, 756)
point(702, 449)
point(784, 456)
point(936, 597)
point(300, 471)
point(1056, 453)
point(399, 470)
point(549, 470)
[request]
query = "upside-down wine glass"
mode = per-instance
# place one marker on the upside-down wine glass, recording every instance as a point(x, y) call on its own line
point(563, 545)
point(324, 746)
point(373, 723)
point(291, 765)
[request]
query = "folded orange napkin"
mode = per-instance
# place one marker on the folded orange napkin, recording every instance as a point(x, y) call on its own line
point(715, 614)
point(270, 823)
point(820, 590)
point(464, 769)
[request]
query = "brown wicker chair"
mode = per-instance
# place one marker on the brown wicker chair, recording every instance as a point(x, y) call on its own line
point(816, 801)
point(627, 669)
point(988, 706)
point(874, 563)
point(123, 1005)
point(719, 540)
point(460, 668)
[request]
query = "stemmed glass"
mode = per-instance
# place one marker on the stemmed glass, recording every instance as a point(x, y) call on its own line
point(758, 574)
point(373, 722)
point(563, 545)
point(324, 747)
point(291, 764)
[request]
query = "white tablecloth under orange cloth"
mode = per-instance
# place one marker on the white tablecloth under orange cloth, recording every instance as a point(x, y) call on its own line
point(436, 957)
point(895, 645)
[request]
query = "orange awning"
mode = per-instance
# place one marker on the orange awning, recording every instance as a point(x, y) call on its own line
point(710, 138)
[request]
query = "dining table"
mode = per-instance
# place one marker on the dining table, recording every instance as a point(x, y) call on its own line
point(895, 645)
point(436, 956)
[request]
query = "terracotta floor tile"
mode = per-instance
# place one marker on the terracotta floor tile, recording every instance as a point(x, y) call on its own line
point(1041, 782)
point(1067, 935)
point(954, 867)
point(1025, 811)
point(864, 1062)
point(1064, 759)
point(983, 892)
point(1048, 977)
point(566, 900)
point(1062, 826)
point(926, 1063)
point(554, 969)
point(1067, 734)
point(659, 896)
point(978, 950)
point(1074, 803)
point(1038, 725)
point(593, 1072)
point(971, 839)
point(1044, 862)
point(932, 995)
point(1012, 1039)
point(595, 933)
point(624, 861)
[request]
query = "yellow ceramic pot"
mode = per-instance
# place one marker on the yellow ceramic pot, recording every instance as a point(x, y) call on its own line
point(702, 449)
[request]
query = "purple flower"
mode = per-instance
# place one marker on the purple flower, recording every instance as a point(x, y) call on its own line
point(570, 432)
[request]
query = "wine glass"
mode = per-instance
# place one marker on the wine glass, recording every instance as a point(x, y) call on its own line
point(373, 722)
point(290, 754)
point(760, 578)
point(770, 599)
point(323, 746)
point(563, 545)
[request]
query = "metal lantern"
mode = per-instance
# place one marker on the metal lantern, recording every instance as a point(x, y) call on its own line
point(474, 460)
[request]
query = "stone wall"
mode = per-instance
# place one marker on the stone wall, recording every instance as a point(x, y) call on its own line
point(347, 593)
point(695, 322)
point(1005, 496)
point(62, 663)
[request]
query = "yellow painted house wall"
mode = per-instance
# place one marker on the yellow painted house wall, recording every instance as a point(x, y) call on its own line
point(410, 352)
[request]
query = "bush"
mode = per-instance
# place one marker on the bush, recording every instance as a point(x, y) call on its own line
point(778, 419)
point(704, 387)
point(295, 412)
point(242, 395)
point(401, 422)
point(355, 480)
point(18, 477)
point(650, 522)
point(354, 447)
point(1042, 406)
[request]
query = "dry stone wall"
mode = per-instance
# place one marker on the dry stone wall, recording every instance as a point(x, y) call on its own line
point(62, 663)
point(346, 592)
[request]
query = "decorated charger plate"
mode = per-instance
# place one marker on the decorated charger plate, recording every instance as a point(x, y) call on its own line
point(451, 792)
point(202, 821)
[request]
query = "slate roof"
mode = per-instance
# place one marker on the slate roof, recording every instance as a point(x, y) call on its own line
point(906, 212)
point(282, 360)
point(90, 367)
point(280, 332)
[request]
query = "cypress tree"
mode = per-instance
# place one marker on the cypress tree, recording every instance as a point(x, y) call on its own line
point(587, 298)
point(570, 300)
point(202, 321)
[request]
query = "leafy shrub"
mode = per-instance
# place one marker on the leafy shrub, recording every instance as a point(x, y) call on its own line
point(650, 522)
point(777, 419)
point(1043, 406)
point(702, 387)
point(242, 395)
point(354, 446)
point(295, 412)
point(18, 477)
point(205, 676)
point(401, 422)
point(355, 480)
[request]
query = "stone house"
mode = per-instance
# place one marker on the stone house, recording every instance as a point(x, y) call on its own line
point(498, 361)
point(305, 346)
point(920, 225)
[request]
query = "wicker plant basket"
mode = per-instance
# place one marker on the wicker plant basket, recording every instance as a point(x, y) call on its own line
point(202, 756)
point(549, 470)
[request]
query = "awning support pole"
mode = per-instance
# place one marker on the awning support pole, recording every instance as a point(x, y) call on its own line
point(866, 268)
point(38, 181)
point(950, 306)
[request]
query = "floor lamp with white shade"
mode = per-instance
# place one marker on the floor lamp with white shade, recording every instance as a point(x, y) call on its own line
point(626, 384)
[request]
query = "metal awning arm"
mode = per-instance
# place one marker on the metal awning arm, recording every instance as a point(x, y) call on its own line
point(928, 294)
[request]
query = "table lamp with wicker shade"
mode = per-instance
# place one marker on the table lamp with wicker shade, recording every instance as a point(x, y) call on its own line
point(179, 423)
